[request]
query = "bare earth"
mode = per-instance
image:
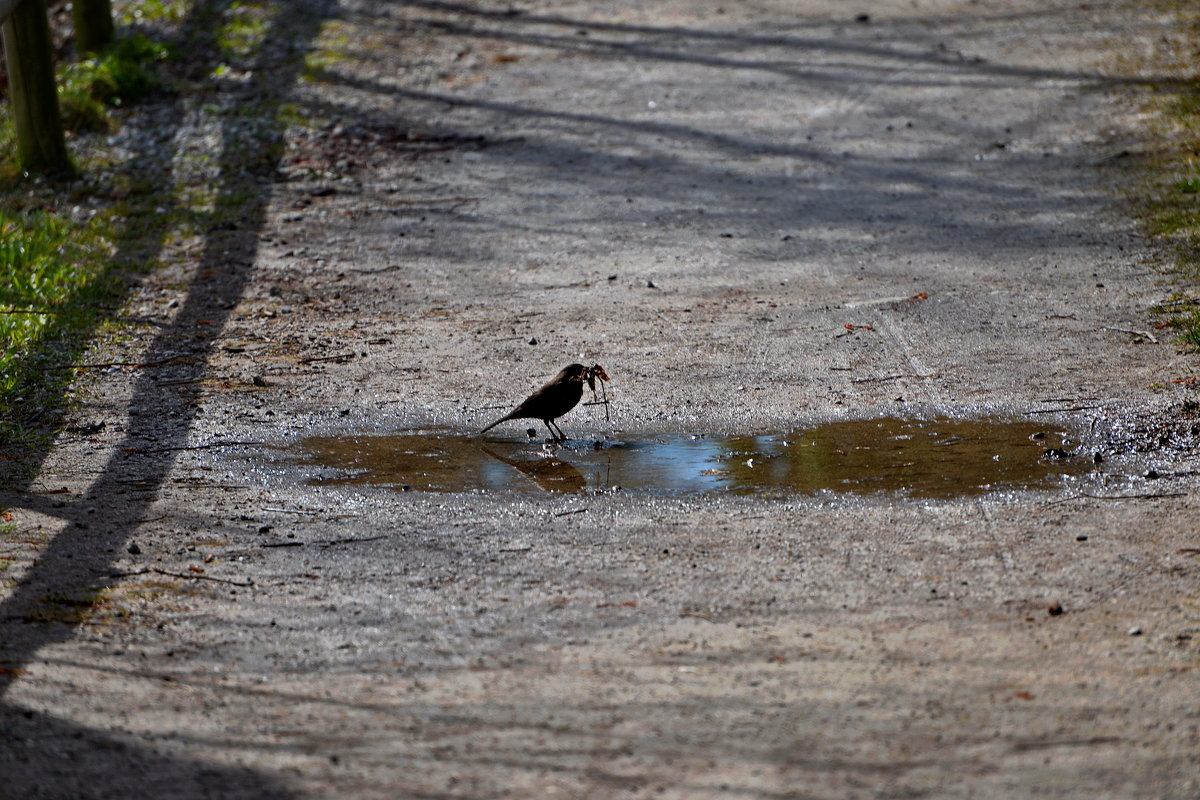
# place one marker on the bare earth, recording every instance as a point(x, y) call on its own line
point(701, 199)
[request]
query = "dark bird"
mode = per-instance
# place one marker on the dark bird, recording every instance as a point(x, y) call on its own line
point(551, 401)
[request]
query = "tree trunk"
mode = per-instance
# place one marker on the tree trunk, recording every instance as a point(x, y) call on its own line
point(41, 148)
point(93, 25)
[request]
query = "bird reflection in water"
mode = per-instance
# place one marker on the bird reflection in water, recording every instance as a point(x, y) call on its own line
point(550, 473)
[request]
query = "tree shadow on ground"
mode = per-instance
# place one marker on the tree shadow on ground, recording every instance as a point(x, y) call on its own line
point(46, 758)
point(754, 183)
point(77, 562)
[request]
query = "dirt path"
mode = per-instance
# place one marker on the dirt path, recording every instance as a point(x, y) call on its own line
point(702, 199)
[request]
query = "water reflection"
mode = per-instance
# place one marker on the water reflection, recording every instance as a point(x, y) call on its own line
point(932, 458)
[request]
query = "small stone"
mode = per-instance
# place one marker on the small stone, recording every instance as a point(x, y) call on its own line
point(1152, 475)
point(1135, 631)
point(133, 549)
point(265, 528)
point(1081, 537)
point(533, 340)
point(1055, 609)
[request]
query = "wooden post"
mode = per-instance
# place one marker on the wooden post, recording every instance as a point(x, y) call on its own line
point(41, 148)
point(93, 25)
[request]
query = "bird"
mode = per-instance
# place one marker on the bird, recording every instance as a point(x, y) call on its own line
point(556, 398)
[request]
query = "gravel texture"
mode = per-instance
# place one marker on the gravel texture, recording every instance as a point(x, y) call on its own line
point(702, 199)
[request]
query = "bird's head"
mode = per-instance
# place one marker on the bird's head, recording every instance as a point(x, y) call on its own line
point(574, 373)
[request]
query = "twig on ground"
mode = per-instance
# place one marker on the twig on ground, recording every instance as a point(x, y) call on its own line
point(1060, 410)
point(339, 357)
point(1143, 334)
point(190, 447)
point(197, 576)
point(333, 542)
point(1153, 496)
point(568, 513)
point(106, 364)
point(887, 378)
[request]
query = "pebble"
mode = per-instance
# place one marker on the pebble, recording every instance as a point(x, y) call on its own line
point(1135, 631)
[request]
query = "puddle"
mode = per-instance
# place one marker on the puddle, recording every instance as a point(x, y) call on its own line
point(939, 458)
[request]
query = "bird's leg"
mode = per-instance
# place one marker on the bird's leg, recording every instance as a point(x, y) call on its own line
point(562, 437)
point(550, 428)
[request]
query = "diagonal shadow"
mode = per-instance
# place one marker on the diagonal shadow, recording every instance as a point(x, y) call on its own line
point(76, 563)
point(518, 27)
point(920, 197)
point(97, 764)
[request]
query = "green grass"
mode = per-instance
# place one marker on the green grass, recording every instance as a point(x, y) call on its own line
point(55, 281)
point(59, 285)
point(142, 11)
point(1172, 197)
point(244, 27)
point(125, 73)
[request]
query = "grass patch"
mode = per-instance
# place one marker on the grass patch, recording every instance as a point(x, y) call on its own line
point(1172, 200)
point(244, 28)
point(125, 73)
point(136, 12)
point(55, 282)
point(59, 281)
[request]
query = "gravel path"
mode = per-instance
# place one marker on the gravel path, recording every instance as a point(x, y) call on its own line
point(757, 217)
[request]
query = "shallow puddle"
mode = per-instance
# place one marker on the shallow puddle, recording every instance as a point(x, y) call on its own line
point(939, 458)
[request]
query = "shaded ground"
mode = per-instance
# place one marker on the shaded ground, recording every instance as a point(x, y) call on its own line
point(701, 201)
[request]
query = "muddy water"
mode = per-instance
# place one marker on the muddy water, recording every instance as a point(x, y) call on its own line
point(921, 458)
